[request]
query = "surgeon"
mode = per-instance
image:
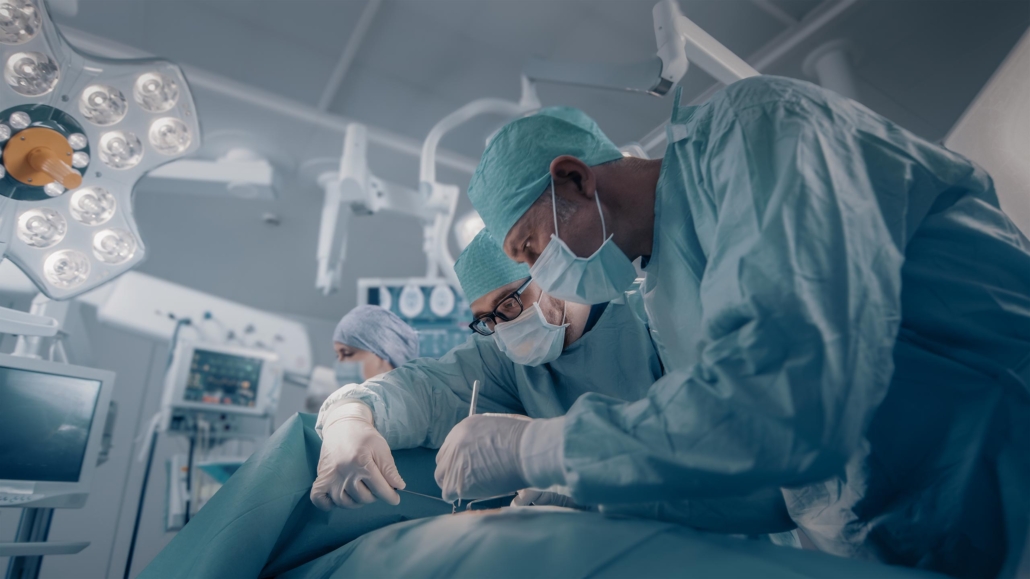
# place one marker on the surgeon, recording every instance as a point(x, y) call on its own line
point(842, 309)
point(371, 340)
point(533, 354)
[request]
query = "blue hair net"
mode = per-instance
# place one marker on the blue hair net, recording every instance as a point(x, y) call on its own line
point(379, 331)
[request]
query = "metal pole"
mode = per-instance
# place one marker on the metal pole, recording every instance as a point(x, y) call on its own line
point(139, 506)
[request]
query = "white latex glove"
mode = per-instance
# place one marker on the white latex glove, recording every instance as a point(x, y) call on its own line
point(539, 498)
point(480, 457)
point(355, 466)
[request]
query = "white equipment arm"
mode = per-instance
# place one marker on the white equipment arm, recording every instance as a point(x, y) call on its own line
point(26, 324)
point(443, 197)
point(679, 41)
point(354, 190)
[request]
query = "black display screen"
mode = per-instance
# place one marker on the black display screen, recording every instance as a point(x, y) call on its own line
point(44, 424)
point(224, 379)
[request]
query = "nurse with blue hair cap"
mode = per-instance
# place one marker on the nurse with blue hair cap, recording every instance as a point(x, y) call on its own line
point(533, 354)
point(374, 340)
point(842, 309)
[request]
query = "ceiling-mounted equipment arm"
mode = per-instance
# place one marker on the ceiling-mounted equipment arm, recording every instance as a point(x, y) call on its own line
point(19, 323)
point(680, 42)
point(443, 198)
point(353, 190)
point(332, 235)
point(645, 76)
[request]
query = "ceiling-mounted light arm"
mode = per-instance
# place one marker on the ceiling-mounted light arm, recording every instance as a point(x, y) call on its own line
point(527, 102)
point(443, 198)
point(679, 42)
point(353, 190)
point(332, 235)
point(644, 76)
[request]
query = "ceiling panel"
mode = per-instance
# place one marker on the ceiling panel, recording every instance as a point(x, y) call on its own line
point(321, 26)
point(797, 9)
point(920, 64)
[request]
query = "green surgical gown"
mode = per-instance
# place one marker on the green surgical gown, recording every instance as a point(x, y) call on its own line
point(418, 403)
point(843, 311)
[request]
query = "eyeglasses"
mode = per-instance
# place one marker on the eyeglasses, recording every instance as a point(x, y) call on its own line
point(506, 311)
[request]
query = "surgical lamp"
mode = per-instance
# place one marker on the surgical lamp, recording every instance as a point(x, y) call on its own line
point(77, 132)
point(466, 228)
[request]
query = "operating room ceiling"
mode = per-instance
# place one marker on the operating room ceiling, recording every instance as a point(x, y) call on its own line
point(919, 62)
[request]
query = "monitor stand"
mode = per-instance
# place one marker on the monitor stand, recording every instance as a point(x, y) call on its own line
point(26, 553)
point(30, 544)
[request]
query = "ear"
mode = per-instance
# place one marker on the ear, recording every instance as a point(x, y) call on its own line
point(568, 169)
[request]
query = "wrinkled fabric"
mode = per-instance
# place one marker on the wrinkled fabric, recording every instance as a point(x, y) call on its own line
point(420, 402)
point(557, 542)
point(843, 311)
point(379, 331)
point(516, 166)
point(261, 522)
point(483, 267)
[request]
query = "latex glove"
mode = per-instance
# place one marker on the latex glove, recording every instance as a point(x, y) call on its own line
point(539, 498)
point(480, 457)
point(355, 466)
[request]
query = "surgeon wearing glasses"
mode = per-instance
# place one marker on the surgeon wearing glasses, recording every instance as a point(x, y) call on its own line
point(533, 354)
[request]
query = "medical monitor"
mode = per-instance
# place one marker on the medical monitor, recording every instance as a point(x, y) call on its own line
point(52, 419)
point(220, 384)
point(438, 312)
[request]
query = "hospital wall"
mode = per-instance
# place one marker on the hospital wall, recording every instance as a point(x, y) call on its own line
point(108, 516)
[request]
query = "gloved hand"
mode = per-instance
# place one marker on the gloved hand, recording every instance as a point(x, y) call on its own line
point(480, 457)
point(539, 498)
point(355, 466)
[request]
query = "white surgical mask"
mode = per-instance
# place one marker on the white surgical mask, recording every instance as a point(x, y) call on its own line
point(350, 373)
point(597, 279)
point(530, 339)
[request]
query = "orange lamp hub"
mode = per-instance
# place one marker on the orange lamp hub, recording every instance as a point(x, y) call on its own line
point(39, 156)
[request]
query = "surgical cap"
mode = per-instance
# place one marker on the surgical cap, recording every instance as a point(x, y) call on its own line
point(379, 331)
point(483, 267)
point(515, 168)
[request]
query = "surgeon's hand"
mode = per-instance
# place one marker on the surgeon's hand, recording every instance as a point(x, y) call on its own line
point(480, 457)
point(355, 467)
point(539, 498)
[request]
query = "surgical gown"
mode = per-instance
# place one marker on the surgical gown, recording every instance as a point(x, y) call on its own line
point(419, 403)
point(843, 311)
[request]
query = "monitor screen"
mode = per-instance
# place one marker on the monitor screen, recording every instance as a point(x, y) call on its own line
point(224, 379)
point(44, 424)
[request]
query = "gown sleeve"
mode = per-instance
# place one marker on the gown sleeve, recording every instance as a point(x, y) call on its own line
point(800, 302)
point(418, 403)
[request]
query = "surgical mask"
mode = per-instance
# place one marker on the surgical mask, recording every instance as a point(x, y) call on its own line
point(350, 373)
point(597, 279)
point(530, 339)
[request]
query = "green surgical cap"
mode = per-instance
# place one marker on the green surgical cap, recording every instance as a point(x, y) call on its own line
point(483, 267)
point(515, 168)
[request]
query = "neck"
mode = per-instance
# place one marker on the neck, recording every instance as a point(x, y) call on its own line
point(576, 316)
point(630, 197)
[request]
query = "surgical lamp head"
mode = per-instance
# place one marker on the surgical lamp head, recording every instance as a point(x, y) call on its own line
point(77, 132)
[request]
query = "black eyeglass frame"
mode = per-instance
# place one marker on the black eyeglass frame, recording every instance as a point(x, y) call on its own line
point(495, 316)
